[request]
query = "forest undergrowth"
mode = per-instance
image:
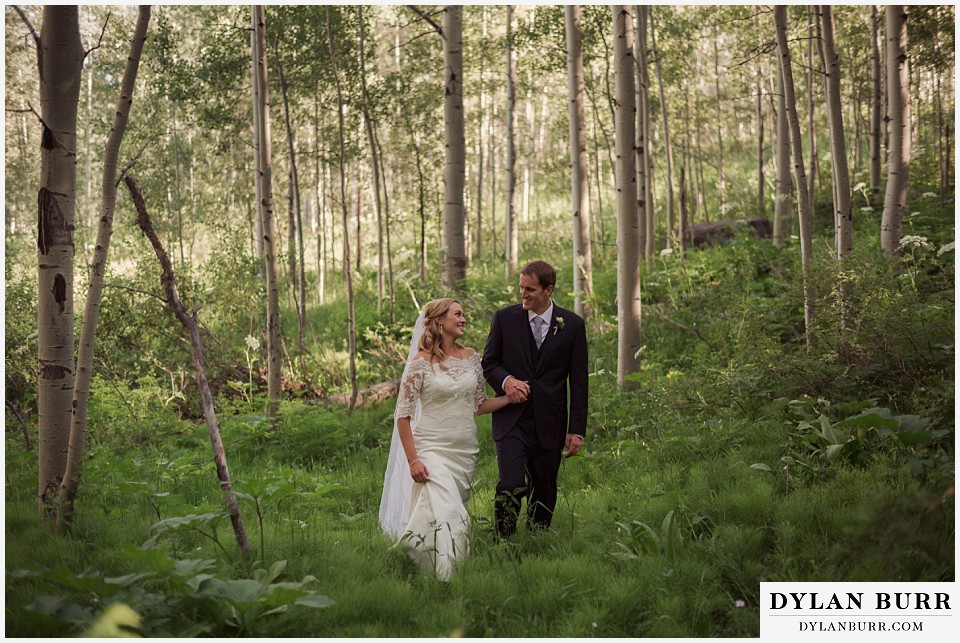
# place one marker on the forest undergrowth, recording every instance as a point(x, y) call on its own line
point(741, 456)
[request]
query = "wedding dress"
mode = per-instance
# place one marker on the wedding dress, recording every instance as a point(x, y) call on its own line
point(429, 520)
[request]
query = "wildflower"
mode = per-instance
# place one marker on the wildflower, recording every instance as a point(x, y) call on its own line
point(666, 252)
point(558, 326)
point(929, 195)
point(914, 241)
point(253, 343)
point(739, 603)
point(866, 208)
point(947, 248)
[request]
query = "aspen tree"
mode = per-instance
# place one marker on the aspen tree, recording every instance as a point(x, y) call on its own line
point(628, 224)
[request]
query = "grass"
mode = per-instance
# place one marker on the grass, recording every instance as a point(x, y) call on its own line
point(691, 491)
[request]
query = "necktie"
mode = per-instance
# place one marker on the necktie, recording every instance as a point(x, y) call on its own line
point(538, 324)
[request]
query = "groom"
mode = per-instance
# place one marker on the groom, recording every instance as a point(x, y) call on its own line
point(534, 350)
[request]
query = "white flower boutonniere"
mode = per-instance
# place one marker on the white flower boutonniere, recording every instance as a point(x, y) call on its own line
point(558, 326)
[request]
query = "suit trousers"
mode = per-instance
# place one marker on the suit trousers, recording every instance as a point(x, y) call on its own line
point(526, 470)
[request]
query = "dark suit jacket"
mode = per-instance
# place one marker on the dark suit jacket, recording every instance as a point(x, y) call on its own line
point(563, 360)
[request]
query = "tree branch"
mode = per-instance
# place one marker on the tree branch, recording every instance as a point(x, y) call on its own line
point(103, 30)
point(26, 21)
point(36, 39)
point(417, 10)
point(136, 157)
point(137, 290)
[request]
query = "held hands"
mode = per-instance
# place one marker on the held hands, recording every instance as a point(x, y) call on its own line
point(418, 471)
point(517, 390)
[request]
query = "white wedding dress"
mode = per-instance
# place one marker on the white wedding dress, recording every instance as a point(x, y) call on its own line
point(434, 532)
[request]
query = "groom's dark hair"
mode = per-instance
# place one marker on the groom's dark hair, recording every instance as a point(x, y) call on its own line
point(543, 271)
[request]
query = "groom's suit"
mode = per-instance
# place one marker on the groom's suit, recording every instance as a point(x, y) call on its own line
point(530, 436)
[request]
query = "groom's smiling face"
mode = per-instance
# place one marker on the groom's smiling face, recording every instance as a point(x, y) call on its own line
point(534, 297)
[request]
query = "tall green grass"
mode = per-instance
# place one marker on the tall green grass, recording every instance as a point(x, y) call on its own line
point(691, 490)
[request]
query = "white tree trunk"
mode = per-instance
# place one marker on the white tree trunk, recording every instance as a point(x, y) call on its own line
point(898, 95)
point(876, 150)
point(580, 199)
point(511, 227)
point(838, 145)
point(274, 337)
point(667, 142)
point(783, 205)
point(347, 267)
point(60, 56)
point(454, 171)
point(806, 210)
point(628, 224)
point(98, 266)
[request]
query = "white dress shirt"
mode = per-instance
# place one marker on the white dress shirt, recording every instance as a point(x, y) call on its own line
point(546, 316)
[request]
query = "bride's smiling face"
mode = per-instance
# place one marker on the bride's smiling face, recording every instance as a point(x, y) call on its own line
point(454, 321)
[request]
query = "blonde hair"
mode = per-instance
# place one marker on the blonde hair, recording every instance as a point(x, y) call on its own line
point(431, 342)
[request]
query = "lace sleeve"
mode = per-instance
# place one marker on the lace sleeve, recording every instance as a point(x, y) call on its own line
point(410, 384)
point(480, 393)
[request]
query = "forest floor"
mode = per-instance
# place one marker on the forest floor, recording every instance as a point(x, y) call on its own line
point(741, 456)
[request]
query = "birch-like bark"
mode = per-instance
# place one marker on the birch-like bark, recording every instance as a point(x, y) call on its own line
point(667, 142)
point(721, 180)
point(347, 267)
point(628, 247)
point(876, 102)
point(255, 87)
point(898, 95)
point(838, 145)
point(196, 349)
point(782, 207)
point(98, 266)
point(375, 166)
point(811, 67)
point(650, 219)
point(806, 209)
point(761, 179)
point(511, 227)
point(295, 249)
point(60, 59)
point(274, 337)
point(455, 165)
point(580, 199)
point(640, 131)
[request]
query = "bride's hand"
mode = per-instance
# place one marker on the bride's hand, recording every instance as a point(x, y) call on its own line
point(419, 472)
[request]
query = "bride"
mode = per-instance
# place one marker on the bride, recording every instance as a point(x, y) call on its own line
point(433, 453)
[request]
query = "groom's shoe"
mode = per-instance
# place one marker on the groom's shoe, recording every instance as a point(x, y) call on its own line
point(506, 509)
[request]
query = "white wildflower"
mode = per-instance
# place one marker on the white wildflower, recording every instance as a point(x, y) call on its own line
point(929, 195)
point(866, 208)
point(914, 241)
point(740, 603)
point(914, 214)
point(947, 248)
point(666, 252)
point(253, 343)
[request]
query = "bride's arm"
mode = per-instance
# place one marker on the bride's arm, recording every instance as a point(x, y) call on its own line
point(418, 470)
point(482, 403)
point(492, 404)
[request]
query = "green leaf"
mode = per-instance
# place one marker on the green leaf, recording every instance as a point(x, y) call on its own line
point(868, 420)
point(315, 601)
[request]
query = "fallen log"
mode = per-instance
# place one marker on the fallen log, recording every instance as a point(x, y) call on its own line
point(365, 397)
point(703, 234)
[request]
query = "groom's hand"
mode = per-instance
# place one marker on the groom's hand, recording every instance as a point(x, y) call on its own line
point(516, 390)
point(574, 442)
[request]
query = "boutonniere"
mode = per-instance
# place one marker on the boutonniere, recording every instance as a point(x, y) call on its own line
point(558, 325)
